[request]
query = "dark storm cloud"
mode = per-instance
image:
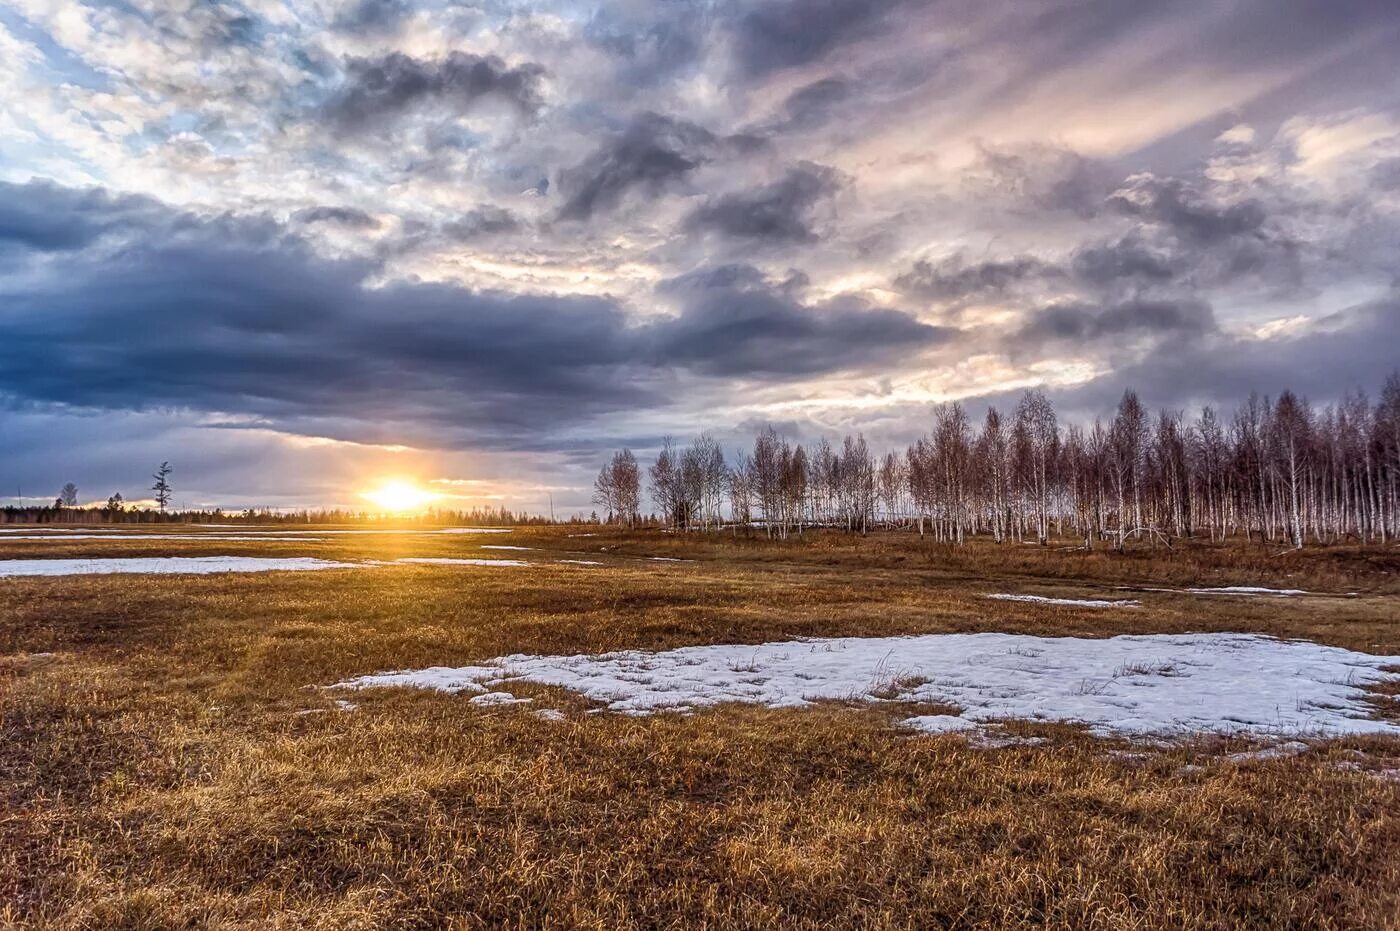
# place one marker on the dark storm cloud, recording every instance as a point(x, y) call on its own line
point(1186, 213)
point(777, 212)
point(1218, 242)
point(735, 322)
point(651, 153)
point(1125, 260)
point(349, 217)
point(954, 280)
point(474, 226)
point(50, 218)
point(1084, 323)
point(481, 221)
point(381, 90)
point(226, 315)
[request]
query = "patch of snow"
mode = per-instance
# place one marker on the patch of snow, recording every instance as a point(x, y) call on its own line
point(1246, 590)
point(474, 530)
point(53, 530)
point(343, 705)
point(502, 546)
point(990, 741)
point(167, 565)
point(450, 679)
point(493, 699)
point(449, 561)
point(1388, 774)
point(666, 559)
point(550, 714)
point(1129, 685)
point(1132, 756)
point(1273, 752)
point(582, 562)
point(940, 723)
point(113, 537)
point(1078, 602)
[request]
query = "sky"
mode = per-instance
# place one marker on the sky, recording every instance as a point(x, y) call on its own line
point(294, 247)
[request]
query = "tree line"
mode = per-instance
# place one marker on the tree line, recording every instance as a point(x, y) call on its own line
point(116, 511)
point(1276, 470)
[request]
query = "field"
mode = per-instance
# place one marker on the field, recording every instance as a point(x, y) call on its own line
point(171, 756)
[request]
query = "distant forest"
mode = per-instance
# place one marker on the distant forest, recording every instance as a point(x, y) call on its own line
point(1276, 470)
point(116, 512)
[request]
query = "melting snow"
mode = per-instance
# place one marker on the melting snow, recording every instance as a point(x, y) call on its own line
point(261, 531)
point(1278, 751)
point(941, 723)
point(1134, 685)
point(502, 546)
point(475, 530)
point(1246, 590)
point(113, 537)
point(499, 698)
point(1080, 602)
point(173, 565)
point(447, 561)
point(582, 562)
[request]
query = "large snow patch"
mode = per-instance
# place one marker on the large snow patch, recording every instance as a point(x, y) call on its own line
point(1149, 684)
point(173, 565)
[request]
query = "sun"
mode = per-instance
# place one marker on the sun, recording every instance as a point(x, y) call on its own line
point(397, 496)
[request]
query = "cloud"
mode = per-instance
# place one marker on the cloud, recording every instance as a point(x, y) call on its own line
point(1082, 323)
point(811, 106)
point(777, 212)
point(349, 217)
point(736, 322)
point(651, 153)
point(1386, 175)
point(471, 226)
point(1174, 205)
point(373, 16)
point(1351, 349)
point(381, 90)
point(649, 43)
point(1044, 178)
point(954, 280)
point(481, 221)
point(1124, 260)
point(777, 34)
point(49, 218)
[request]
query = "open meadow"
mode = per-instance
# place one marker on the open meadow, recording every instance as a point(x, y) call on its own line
point(174, 751)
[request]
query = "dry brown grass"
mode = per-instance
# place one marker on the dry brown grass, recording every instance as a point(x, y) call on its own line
point(156, 771)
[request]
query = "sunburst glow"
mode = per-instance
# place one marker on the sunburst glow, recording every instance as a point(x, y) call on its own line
point(398, 496)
